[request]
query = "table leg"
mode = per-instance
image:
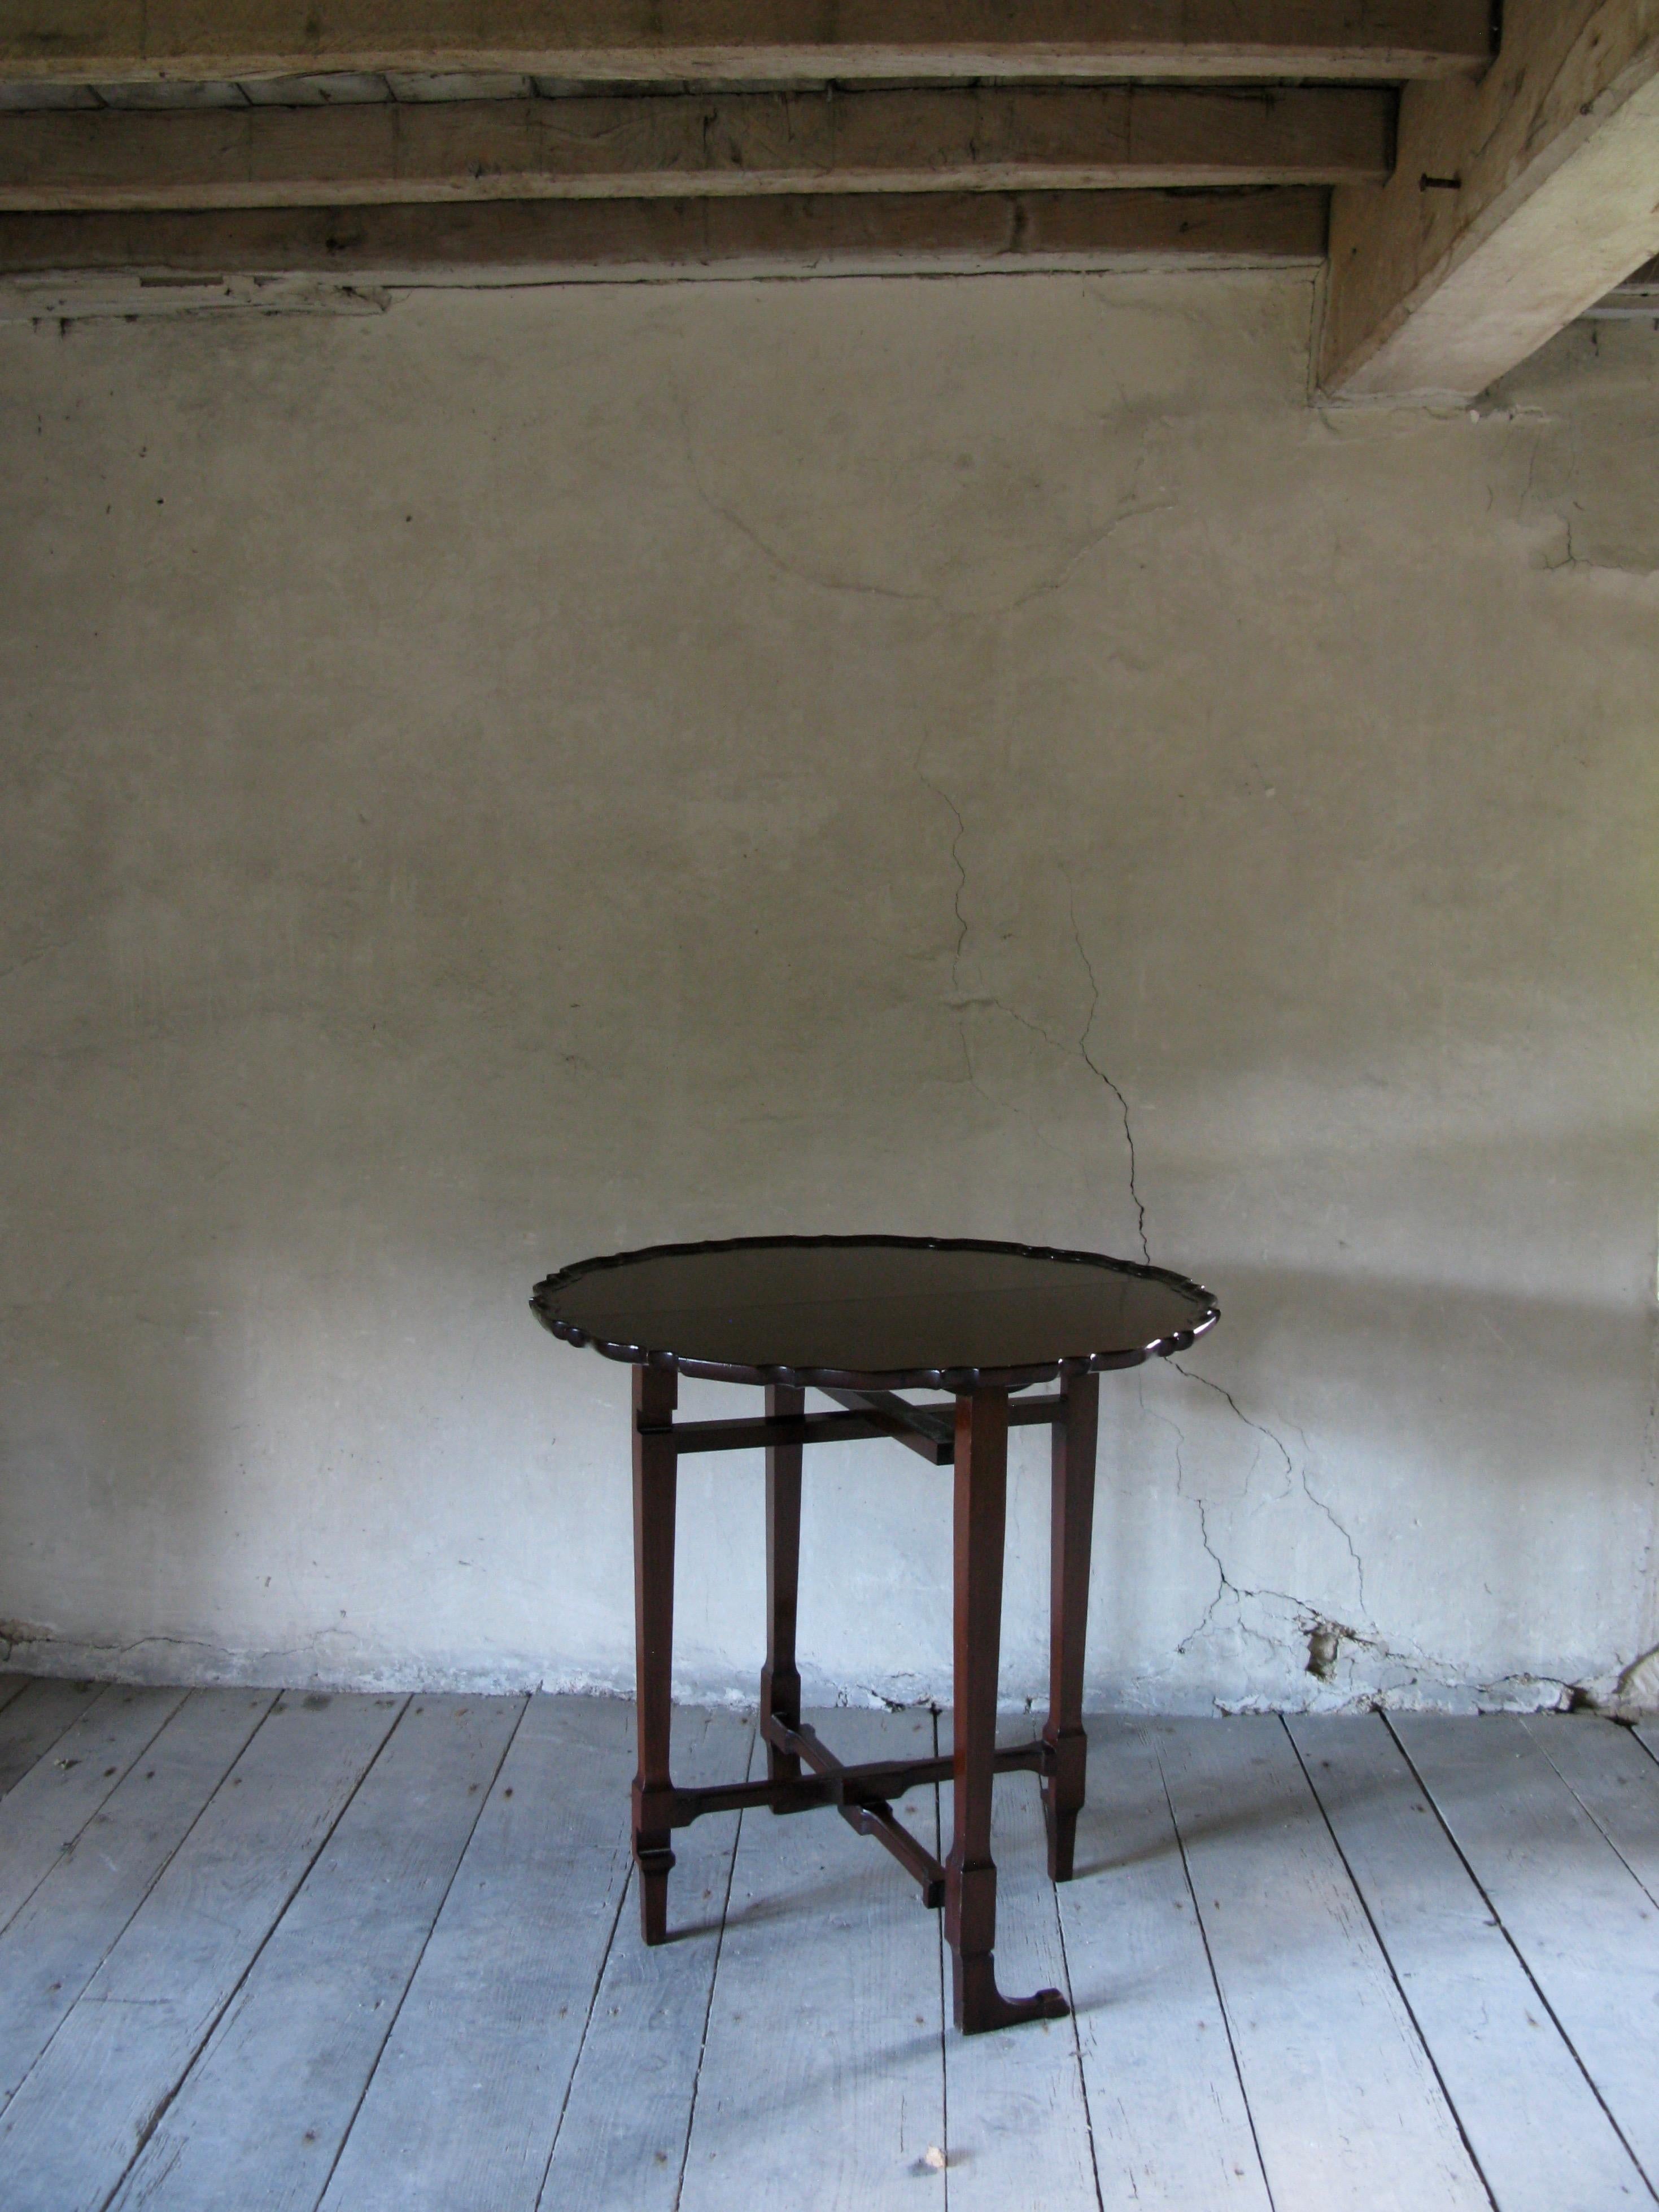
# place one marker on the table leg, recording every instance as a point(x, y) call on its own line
point(1071, 1529)
point(779, 1690)
point(971, 1891)
point(656, 1391)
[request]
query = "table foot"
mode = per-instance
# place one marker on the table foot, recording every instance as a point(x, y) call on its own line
point(1063, 1792)
point(654, 1866)
point(980, 2006)
point(1062, 1839)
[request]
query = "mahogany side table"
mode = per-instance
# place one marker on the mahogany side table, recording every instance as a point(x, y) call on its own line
point(859, 1319)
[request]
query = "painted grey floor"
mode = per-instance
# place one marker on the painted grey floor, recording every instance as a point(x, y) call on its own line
point(360, 1952)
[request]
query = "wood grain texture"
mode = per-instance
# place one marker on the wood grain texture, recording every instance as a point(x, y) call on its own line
point(1543, 2142)
point(1587, 1930)
point(1545, 201)
point(341, 1956)
point(621, 2136)
point(515, 241)
point(60, 1938)
point(1342, 2095)
point(72, 40)
point(45, 1812)
point(461, 2112)
point(32, 1722)
point(1167, 2111)
point(1614, 1778)
point(76, 2123)
point(822, 2074)
point(262, 2116)
point(673, 145)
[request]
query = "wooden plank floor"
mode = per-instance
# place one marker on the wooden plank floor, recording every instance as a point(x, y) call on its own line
point(303, 1951)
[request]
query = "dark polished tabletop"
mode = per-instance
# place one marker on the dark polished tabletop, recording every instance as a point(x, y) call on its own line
point(874, 1312)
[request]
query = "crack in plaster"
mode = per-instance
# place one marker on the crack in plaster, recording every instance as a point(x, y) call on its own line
point(1294, 1473)
point(960, 1003)
point(1090, 1061)
point(1128, 512)
point(1326, 1635)
point(1562, 506)
point(763, 546)
point(1222, 1584)
point(792, 569)
point(1340, 1526)
point(1129, 508)
point(1571, 556)
point(41, 952)
point(1225, 1586)
point(945, 800)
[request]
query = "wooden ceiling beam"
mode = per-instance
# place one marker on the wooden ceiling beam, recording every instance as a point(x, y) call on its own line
point(1634, 300)
point(1515, 205)
point(519, 241)
point(80, 41)
point(967, 139)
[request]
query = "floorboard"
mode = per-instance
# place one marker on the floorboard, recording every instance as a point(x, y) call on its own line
point(620, 2145)
point(1613, 1777)
point(11, 1686)
point(263, 2112)
point(821, 2081)
point(60, 1938)
point(1585, 1927)
point(1533, 2122)
point(90, 2102)
point(41, 1818)
point(1343, 2100)
point(1170, 2127)
point(460, 2114)
point(269, 1953)
point(1016, 2127)
point(32, 1722)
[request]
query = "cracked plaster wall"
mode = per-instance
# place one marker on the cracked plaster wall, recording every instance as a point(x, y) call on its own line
point(533, 774)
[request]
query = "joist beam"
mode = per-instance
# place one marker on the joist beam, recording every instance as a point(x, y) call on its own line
point(1634, 300)
point(963, 139)
point(1516, 203)
point(77, 41)
point(518, 241)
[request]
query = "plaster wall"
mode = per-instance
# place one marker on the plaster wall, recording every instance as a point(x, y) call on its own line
point(530, 774)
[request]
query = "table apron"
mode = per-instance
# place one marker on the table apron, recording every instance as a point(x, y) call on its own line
point(878, 1414)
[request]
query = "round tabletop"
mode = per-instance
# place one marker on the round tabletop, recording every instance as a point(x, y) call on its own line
point(874, 1312)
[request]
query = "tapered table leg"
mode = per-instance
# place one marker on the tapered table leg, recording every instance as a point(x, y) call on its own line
point(1070, 1534)
point(655, 1394)
point(970, 1891)
point(779, 1691)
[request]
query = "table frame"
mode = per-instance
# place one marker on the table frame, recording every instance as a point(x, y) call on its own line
point(971, 1436)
